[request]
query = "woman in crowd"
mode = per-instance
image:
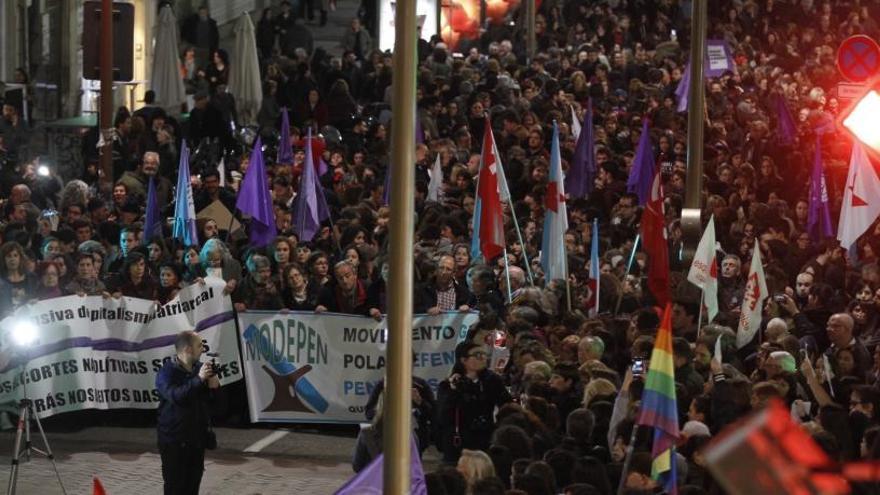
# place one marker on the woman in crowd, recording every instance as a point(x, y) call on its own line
point(135, 280)
point(170, 279)
point(319, 269)
point(258, 290)
point(49, 281)
point(467, 402)
point(86, 281)
point(19, 284)
point(297, 292)
point(218, 262)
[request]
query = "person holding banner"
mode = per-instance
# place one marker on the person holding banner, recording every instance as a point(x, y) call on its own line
point(347, 294)
point(185, 385)
point(467, 402)
point(442, 292)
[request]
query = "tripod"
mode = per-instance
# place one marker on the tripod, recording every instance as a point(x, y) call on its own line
point(25, 415)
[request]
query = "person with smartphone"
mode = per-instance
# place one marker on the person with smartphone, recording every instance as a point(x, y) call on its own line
point(185, 385)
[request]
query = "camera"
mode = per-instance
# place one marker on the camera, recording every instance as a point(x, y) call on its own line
point(638, 366)
point(214, 367)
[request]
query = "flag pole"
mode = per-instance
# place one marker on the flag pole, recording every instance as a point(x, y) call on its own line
point(398, 373)
point(700, 314)
point(632, 257)
point(621, 486)
point(521, 243)
point(507, 274)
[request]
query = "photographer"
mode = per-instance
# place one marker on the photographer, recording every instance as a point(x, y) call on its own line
point(185, 385)
point(468, 398)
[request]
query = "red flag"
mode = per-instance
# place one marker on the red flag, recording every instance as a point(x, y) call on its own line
point(491, 221)
point(97, 487)
point(654, 240)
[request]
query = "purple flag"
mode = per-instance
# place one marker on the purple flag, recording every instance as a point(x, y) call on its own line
point(152, 224)
point(582, 173)
point(285, 151)
point(785, 125)
point(420, 133)
point(369, 480)
point(642, 174)
point(254, 199)
point(819, 216)
point(386, 191)
point(310, 207)
point(681, 91)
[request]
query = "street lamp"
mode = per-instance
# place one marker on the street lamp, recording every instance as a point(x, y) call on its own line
point(862, 120)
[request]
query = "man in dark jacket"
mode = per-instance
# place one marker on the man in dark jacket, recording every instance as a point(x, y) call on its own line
point(347, 294)
point(200, 31)
point(442, 293)
point(184, 384)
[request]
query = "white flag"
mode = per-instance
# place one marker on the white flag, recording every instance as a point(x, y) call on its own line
point(575, 124)
point(436, 182)
point(861, 198)
point(718, 357)
point(221, 169)
point(829, 373)
point(704, 269)
point(753, 301)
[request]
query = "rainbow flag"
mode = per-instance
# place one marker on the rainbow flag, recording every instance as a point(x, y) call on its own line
point(659, 408)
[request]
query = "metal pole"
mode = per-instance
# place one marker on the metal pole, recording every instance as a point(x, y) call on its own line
point(106, 113)
point(690, 214)
point(531, 43)
point(398, 375)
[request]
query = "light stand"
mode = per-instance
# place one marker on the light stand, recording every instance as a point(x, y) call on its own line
point(26, 414)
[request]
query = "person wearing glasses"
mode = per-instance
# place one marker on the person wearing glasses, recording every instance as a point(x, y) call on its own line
point(467, 402)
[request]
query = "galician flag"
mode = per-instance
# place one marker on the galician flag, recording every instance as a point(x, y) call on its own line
point(704, 269)
point(861, 198)
point(753, 300)
point(184, 210)
point(553, 255)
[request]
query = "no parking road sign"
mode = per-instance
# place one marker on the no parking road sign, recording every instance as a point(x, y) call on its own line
point(858, 58)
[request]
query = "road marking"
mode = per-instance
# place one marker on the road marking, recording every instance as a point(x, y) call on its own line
point(266, 441)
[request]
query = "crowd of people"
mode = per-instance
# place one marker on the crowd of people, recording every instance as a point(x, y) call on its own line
point(558, 416)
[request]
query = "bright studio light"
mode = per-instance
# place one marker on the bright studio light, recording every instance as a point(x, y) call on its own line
point(863, 121)
point(24, 333)
point(43, 170)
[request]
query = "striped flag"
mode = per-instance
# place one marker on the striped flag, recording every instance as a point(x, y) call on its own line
point(593, 282)
point(659, 409)
point(553, 254)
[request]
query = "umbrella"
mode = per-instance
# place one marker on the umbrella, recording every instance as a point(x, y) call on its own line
point(167, 81)
point(244, 77)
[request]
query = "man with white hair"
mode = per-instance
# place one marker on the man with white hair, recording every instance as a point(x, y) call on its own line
point(777, 329)
point(731, 286)
point(840, 333)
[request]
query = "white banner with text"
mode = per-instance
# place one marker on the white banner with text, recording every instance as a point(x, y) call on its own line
point(321, 368)
point(96, 353)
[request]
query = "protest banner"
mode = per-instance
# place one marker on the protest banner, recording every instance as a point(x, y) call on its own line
point(320, 368)
point(96, 353)
point(719, 58)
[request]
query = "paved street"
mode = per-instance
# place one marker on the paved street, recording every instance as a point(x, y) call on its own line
point(301, 460)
